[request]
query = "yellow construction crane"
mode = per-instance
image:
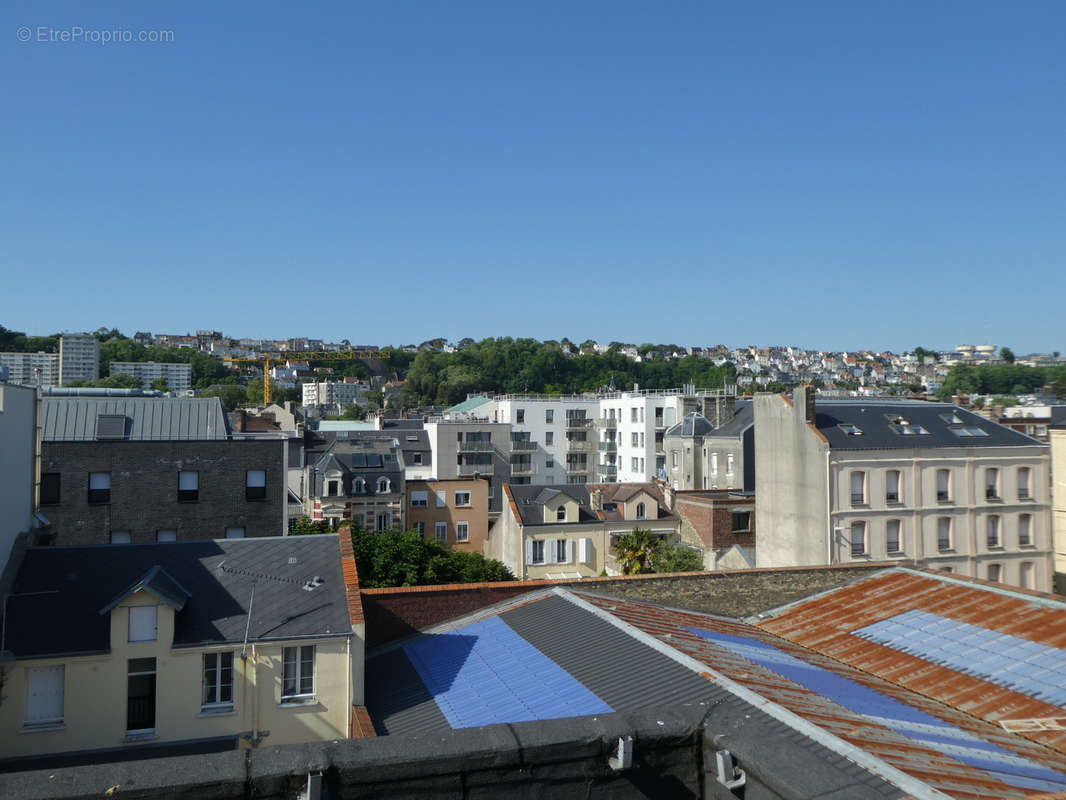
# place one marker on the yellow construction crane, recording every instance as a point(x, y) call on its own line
point(265, 360)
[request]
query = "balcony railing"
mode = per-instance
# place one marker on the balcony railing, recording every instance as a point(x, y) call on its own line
point(577, 467)
point(608, 447)
point(466, 470)
point(607, 469)
point(522, 446)
point(476, 446)
point(659, 424)
point(579, 446)
point(578, 423)
point(607, 423)
point(523, 468)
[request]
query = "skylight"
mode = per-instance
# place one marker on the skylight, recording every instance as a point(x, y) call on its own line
point(967, 430)
point(906, 429)
point(851, 430)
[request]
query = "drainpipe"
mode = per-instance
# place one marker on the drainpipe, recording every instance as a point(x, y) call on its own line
point(255, 695)
point(348, 691)
point(829, 507)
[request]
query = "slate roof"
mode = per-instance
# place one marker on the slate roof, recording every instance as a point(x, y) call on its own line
point(74, 419)
point(691, 424)
point(369, 459)
point(874, 417)
point(71, 586)
point(743, 418)
point(531, 498)
point(583, 652)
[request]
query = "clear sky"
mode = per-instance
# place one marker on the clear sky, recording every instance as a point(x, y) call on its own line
point(831, 175)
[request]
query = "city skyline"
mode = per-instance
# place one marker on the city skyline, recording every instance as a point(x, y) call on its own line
point(879, 178)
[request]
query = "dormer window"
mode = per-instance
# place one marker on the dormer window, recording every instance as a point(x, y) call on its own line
point(560, 514)
point(358, 486)
point(642, 511)
point(383, 485)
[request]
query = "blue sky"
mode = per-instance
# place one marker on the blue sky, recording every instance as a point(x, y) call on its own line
point(831, 175)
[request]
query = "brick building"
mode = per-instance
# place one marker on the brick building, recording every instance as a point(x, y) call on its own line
point(144, 469)
point(454, 511)
point(722, 523)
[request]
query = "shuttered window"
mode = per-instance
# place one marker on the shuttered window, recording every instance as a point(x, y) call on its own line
point(44, 695)
point(142, 623)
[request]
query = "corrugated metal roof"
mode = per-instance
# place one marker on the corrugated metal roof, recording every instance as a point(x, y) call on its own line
point(970, 758)
point(74, 419)
point(987, 651)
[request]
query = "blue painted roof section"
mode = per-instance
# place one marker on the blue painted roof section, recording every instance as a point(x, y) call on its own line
point(485, 673)
point(894, 714)
point(1020, 664)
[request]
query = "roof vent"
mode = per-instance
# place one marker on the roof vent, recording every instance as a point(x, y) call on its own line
point(313, 583)
point(110, 426)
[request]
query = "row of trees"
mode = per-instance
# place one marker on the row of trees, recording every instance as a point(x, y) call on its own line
point(1002, 379)
point(507, 365)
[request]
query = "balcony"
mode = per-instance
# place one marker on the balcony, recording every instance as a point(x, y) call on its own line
point(607, 423)
point(523, 446)
point(468, 470)
point(475, 446)
point(577, 468)
point(659, 424)
point(608, 447)
point(608, 470)
point(523, 468)
point(579, 446)
point(578, 423)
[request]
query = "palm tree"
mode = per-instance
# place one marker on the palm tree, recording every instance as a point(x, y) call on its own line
point(634, 549)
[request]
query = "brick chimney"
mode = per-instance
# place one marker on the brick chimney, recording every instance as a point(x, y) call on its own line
point(596, 498)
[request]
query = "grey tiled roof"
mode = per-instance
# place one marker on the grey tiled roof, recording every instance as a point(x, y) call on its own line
point(71, 585)
point(530, 500)
point(74, 419)
point(875, 419)
point(744, 418)
point(692, 424)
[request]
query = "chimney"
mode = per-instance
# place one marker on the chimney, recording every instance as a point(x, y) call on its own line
point(803, 398)
point(668, 496)
point(596, 496)
point(242, 420)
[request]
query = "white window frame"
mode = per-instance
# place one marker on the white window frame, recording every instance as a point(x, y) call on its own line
point(459, 498)
point(462, 531)
point(535, 545)
point(714, 463)
point(993, 532)
point(893, 476)
point(858, 479)
point(295, 656)
point(730, 461)
point(857, 536)
point(419, 499)
point(945, 525)
point(217, 704)
point(384, 485)
point(48, 684)
point(1025, 525)
point(946, 475)
point(145, 621)
point(1025, 483)
point(992, 491)
point(563, 551)
point(442, 498)
point(642, 510)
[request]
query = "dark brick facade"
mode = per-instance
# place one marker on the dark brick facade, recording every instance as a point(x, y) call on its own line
point(711, 516)
point(144, 489)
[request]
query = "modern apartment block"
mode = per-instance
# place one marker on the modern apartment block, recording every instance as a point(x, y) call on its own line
point(333, 393)
point(79, 358)
point(469, 448)
point(609, 437)
point(27, 368)
point(846, 481)
point(154, 469)
point(453, 511)
point(177, 376)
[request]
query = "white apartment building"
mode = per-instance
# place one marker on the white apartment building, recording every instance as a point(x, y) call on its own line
point(333, 393)
point(177, 376)
point(24, 368)
point(861, 480)
point(79, 358)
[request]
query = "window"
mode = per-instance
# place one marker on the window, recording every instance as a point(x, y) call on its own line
point(420, 527)
point(858, 488)
point(858, 539)
point(943, 533)
point(188, 487)
point(893, 538)
point(1025, 530)
point(549, 462)
point(44, 696)
point(255, 484)
point(892, 486)
point(636, 464)
point(943, 485)
point(561, 551)
point(49, 488)
point(419, 499)
point(234, 533)
point(635, 439)
point(641, 439)
point(140, 695)
point(383, 486)
point(142, 623)
point(673, 458)
point(120, 537)
point(633, 415)
point(218, 681)
point(99, 487)
point(440, 530)
point(536, 551)
point(1026, 575)
point(416, 459)
point(549, 438)
point(384, 522)
point(166, 536)
point(992, 530)
point(995, 572)
point(741, 521)
point(333, 488)
point(714, 463)
point(991, 483)
point(462, 531)
point(729, 463)
point(560, 514)
point(520, 416)
point(641, 510)
point(441, 498)
point(549, 416)
point(298, 673)
point(462, 498)
point(1023, 483)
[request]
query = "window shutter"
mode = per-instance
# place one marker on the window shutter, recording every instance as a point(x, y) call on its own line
point(585, 551)
point(569, 551)
point(142, 623)
point(529, 551)
point(44, 694)
point(549, 552)
point(441, 495)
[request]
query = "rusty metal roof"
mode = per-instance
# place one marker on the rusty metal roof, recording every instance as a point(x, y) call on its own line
point(942, 746)
point(987, 650)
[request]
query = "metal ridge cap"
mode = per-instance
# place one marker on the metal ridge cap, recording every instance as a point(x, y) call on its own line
point(908, 783)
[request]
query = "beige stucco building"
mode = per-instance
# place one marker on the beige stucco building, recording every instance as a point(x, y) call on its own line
point(1058, 491)
point(453, 511)
point(214, 645)
point(861, 480)
point(569, 531)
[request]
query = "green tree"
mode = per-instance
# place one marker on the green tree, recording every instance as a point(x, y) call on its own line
point(1006, 354)
point(676, 558)
point(353, 412)
point(305, 526)
point(634, 549)
point(922, 353)
point(394, 558)
point(231, 394)
point(160, 385)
